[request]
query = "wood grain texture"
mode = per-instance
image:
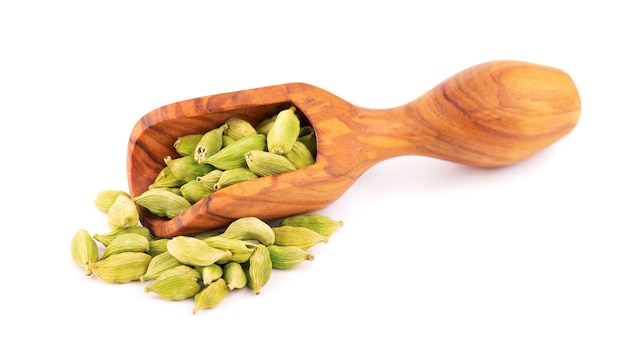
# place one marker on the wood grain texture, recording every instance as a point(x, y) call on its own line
point(490, 115)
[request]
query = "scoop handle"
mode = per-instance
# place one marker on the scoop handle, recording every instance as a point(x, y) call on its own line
point(493, 114)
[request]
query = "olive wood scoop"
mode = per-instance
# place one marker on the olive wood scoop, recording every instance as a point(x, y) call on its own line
point(492, 114)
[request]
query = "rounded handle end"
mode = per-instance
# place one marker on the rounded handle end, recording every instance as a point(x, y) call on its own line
point(498, 113)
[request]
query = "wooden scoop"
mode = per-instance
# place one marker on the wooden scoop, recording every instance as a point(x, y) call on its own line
point(493, 114)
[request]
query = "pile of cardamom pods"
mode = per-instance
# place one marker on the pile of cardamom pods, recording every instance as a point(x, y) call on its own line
point(234, 152)
point(204, 267)
point(207, 266)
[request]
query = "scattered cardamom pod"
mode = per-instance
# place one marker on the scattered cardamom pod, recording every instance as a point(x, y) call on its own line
point(205, 235)
point(158, 246)
point(265, 163)
point(159, 264)
point(240, 249)
point(234, 275)
point(123, 213)
point(107, 238)
point(129, 242)
point(287, 257)
point(162, 202)
point(121, 267)
point(192, 251)
point(211, 295)
point(284, 132)
point(259, 268)
point(297, 236)
point(84, 250)
point(321, 224)
point(250, 228)
point(210, 273)
point(176, 284)
point(106, 198)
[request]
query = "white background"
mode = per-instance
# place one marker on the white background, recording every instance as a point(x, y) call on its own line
point(433, 256)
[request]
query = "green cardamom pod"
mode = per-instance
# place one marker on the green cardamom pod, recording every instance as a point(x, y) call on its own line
point(266, 125)
point(233, 155)
point(159, 264)
point(194, 190)
point(205, 235)
point(166, 179)
point(233, 176)
point(161, 202)
point(210, 273)
point(265, 163)
point(321, 224)
point(209, 180)
point(186, 145)
point(209, 144)
point(192, 251)
point(210, 296)
point(300, 156)
point(175, 190)
point(234, 275)
point(123, 213)
point(84, 250)
point(129, 242)
point(240, 249)
point(121, 267)
point(186, 168)
point(259, 268)
point(307, 136)
point(106, 198)
point(158, 246)
point(281, 137)
point(297, 236)
point(227, 140)
point(107, 238)
point(237, 128)
point(176, 284)
point(250, 228)
point(287, 257)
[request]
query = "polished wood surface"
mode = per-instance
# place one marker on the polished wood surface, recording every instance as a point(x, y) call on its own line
point(490, 115)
